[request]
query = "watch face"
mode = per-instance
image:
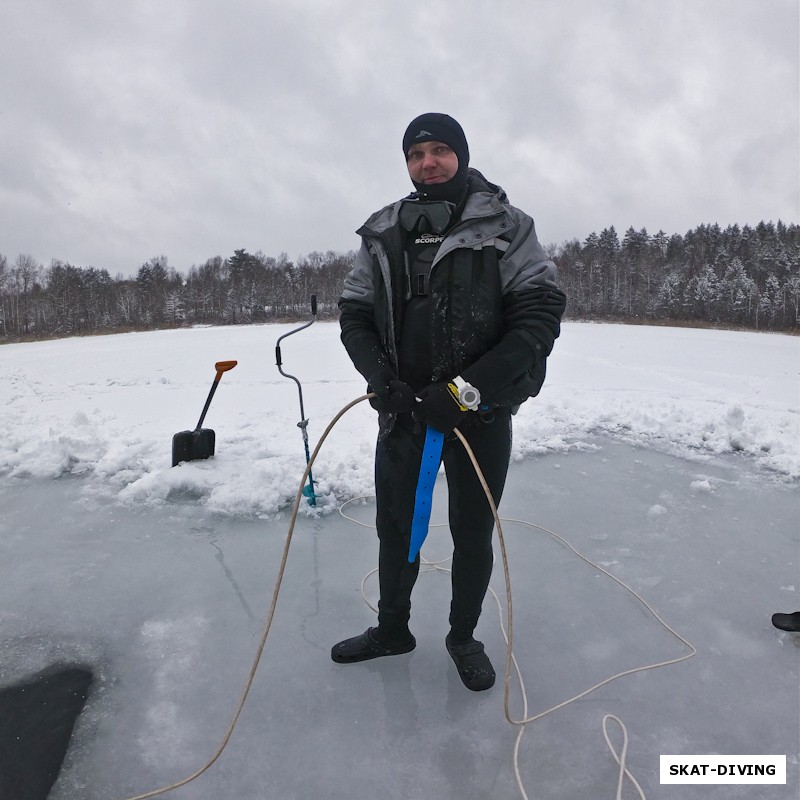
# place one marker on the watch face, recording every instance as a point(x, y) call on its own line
point(470, 397)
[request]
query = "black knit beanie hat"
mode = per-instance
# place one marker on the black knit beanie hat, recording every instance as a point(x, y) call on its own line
point(434, 127)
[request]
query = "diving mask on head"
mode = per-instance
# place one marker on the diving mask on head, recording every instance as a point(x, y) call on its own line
point(426, 216)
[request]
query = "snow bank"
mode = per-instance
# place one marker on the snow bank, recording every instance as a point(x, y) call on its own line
point(108, 406)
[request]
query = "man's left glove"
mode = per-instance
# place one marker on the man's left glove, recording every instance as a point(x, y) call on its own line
point(439, 407)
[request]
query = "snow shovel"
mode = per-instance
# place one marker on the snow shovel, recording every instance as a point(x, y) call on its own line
point(199, 443)
point(308, 491)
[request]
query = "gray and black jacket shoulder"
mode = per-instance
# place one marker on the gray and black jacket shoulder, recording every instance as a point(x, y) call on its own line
point(495, 305)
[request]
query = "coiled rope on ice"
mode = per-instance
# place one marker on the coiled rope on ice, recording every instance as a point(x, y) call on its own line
point(506, 628)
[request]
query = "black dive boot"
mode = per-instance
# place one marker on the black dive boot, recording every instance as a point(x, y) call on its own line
point(366, 646)
point(473, 665)
point(787, 622)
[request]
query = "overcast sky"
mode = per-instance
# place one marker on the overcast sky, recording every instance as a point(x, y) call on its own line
point(190, 128)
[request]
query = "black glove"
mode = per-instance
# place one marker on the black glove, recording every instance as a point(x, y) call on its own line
point(439, 407)
point(393, 395)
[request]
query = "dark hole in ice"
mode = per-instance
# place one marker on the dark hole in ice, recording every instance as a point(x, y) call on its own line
point(37, 716)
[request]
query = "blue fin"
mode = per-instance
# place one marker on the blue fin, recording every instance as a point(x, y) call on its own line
point(428, 468)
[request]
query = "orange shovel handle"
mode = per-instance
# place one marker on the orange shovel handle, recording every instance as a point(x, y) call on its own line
point(224, 366)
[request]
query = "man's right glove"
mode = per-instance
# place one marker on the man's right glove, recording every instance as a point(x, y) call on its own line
point(439, 407)
point(393, 395)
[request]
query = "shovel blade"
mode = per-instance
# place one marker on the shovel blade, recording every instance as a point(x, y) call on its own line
point(192, 445)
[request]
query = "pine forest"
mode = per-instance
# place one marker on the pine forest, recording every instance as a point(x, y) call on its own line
point(739, 277)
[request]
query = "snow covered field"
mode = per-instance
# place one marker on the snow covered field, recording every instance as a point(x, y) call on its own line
point(671, 457)
point(107, 407)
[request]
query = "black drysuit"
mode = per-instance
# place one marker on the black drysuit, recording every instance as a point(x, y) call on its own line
point(480, 302)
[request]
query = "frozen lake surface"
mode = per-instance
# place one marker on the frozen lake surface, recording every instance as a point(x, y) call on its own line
point(669, 456)
point(166, 604)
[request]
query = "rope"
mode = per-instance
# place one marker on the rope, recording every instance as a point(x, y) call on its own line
point(621, 758)
point(510, 660)
point(267, 625)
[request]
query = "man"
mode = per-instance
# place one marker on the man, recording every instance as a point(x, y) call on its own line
point(450, 293)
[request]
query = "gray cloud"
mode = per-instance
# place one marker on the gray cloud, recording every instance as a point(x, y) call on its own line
point(190, 129)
